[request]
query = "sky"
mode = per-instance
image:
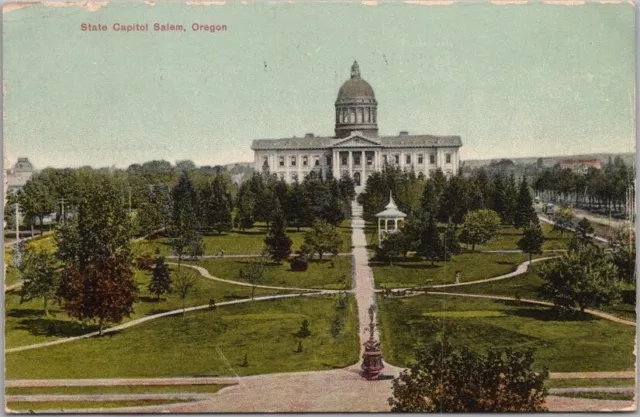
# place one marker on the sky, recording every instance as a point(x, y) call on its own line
point(512, 81)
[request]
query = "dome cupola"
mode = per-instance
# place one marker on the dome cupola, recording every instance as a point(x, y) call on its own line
point(356, 106)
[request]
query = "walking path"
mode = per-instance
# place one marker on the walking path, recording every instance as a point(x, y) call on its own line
point(165, 314)
point(526, 300)
point(546, 220)
point(236, 255)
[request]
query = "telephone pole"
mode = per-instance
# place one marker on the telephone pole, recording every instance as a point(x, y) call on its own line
point(61, 201)
point(17, 208)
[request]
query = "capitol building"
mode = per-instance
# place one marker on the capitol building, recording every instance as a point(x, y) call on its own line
point(356, 149)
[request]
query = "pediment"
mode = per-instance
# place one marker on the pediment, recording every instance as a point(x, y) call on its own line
point(356, 141)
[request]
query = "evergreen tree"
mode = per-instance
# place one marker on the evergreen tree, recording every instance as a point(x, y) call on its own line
point(453, 204)
point(277, 241)
point(218, 207)
point(525, 212)
point(347, 187)
point(582, 235)
point(184, 237)
point(160, 278)
point(532, 239)
point(450, 243)
point(297, 210)
point(429, 201)
point(392, 246)
point(430, 244)
point(244, 206)
point(499, 202)
point(511, 200)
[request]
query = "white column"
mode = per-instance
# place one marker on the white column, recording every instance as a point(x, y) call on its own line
point(351, 164)
point(335, 164)
point(299, 164)
point(363, 158)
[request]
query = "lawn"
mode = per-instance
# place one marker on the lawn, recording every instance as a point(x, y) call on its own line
point(115, 389)
point(27, 406)
point(208, 342)
point(527, 286)
point(25, 324)
point(332, 273)
point(508, 237)
point(591, 344)
point(416, 272)
point(236, 242)
point(581, 382)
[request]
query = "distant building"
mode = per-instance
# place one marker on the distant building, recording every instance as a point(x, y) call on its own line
point(356, 149)
point(580, 166)
point(18, 176)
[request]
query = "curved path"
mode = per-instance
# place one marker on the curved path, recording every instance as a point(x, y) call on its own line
point(596, 313)
point(165, 314)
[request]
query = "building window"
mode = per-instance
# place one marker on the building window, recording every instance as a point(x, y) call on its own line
point(420, 159)
point(356, 159)
point(316, 161)
point(408, 159)
point(265, 161)
point(281, 161)
point(374, 115)
point(328, 160)
point(293, 161)
point(368, 114)
point(352, 115)
point(397, 159)
point(361, 115)
point(448, 158)
point(369, 159)
point(432, 159)
point(344, 160)
point(384, 158)
point(305, 161)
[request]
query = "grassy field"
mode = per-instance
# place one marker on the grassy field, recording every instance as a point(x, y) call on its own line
point(508, 237)
point(527, 285)
point(472, 266)
point(25, 324)
point(333, 273)
point(26, 406)
point(579, 382)
point(236, 242)
point(116, 389)
point(591, 344)
point(207, 342)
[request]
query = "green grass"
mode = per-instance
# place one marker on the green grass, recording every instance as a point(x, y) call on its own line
point(116, 389)
point(619, 396)
point(11, 276)
point(527, 285)
point(591, 344)
point(508, 237)
point(236, 242)
point(580, 382)
point(332, 273)
point(206, 342)
point(25, 324)
point(416, 272)
point(26, 406)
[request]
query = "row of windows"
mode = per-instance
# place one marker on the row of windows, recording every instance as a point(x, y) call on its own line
point(356, 115)
point(344, 160)
point(293, 160)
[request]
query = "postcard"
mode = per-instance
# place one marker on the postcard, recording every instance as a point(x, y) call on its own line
point(376, 206)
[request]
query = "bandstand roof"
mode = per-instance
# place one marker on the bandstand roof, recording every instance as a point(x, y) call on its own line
point(391, 211)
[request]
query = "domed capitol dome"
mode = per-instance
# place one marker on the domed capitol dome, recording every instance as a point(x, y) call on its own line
point(356, 106)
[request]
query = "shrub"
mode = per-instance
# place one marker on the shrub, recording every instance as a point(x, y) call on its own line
point(304, 329)
point(299, 264)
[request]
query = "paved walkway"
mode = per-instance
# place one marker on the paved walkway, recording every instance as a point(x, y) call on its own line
point(157, 316)
point(236, 255)
point(546, 220)
point(529, 301)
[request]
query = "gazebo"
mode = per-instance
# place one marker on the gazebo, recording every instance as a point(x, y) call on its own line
point(390, 220)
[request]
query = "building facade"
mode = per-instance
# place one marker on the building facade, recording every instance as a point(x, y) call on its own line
point(356, 149)
point(18, 176)
point(580, 166)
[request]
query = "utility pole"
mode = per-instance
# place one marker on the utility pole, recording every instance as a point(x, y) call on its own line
point(17, 207)
point(61, 201)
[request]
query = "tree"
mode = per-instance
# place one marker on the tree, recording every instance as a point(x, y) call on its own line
point(511, 200)
point(499, 203)
point(95, 250)
point(581, 278)
point(304, 329)
point(186, 283)
point(429, 201)
point(444, 379)
point(430, 244)
point(217, 214)
point(624, 254)
point(184, 237)
point(450, 243)
point(160, 278)
point(244, 206)
point(563, 218)
point(37, 199)
point(277, 241)
point(392, 246)
point(582, 235)
point(40, 277)
point(479, 226)
point(453, 204)
point(532, 239)
point(525, 212)
point(321, 239)
point(253, 273)
point(347, 187)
